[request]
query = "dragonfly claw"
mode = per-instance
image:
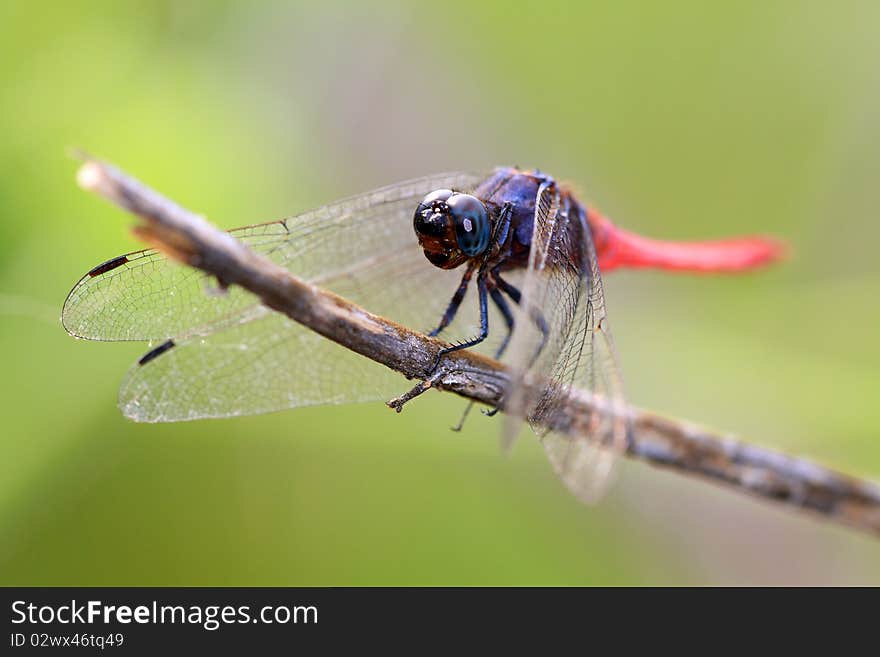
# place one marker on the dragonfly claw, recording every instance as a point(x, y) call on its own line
point(436, 364)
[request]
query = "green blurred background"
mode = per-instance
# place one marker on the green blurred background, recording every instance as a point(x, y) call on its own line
point(679, 119)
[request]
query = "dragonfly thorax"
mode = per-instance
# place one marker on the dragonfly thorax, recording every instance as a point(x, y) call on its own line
point(451, 227)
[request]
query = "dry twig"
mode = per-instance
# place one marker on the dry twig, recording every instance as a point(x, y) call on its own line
point(667, 443)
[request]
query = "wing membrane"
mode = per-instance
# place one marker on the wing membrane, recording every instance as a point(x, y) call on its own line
point(147, 297)
point(266, 364)
point(562, 292)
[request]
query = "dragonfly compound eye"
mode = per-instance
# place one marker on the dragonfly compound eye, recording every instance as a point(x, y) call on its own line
point(437, 228)
point(471, 223)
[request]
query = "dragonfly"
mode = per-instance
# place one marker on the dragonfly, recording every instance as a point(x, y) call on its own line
point(411, 252)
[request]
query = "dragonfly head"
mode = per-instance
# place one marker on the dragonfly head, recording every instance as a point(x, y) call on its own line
point(451, 227)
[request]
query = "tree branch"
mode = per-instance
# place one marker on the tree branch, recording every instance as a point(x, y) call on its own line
point(667, 443)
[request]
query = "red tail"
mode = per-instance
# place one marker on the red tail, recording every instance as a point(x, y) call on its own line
point(616, 247)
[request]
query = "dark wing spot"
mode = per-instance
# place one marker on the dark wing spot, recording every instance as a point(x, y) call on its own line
point(111, 264)
point(155, 353)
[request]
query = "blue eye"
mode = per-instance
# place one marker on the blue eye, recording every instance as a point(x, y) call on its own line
point(471, 223)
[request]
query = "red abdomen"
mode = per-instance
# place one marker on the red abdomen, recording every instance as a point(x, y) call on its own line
point(616, 247)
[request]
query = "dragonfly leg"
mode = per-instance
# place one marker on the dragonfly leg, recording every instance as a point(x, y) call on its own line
point(484, 323)
point(536, 314)
point(454, 304)
point(467, 410)
point(504, 308)
point(509, 289)
point(541, 323)
point(501, 232)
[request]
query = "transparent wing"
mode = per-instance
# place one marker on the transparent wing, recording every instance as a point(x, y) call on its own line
point(230, 356)
point(144, 296)
point(266, 364)
point(562, 342)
